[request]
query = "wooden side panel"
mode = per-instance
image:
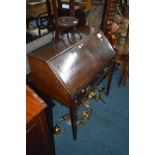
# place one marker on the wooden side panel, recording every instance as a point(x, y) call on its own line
point(37, 137)
point(47, 82)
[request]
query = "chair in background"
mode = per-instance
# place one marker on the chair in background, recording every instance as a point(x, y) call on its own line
point(121, 46)
point(42, 23)
point(64, 23)
point(123, 60)
point(40, 26)
point(119, 42)
point(38, 18)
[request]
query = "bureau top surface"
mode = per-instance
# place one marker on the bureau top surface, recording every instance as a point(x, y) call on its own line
point(77, 66)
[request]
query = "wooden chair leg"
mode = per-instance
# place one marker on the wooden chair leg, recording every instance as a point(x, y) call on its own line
point(77, 31)
point(110, 74)
point(73, 115)
point(56, 33)
point(68, 38)
point(124, 74)
point(73, 31)
point(57, 38)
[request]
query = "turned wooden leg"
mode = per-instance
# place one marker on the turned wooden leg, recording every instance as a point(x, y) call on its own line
point(77, 31)
point(73, 115)
point(56, 32)
point(110, 74)
point(57, 39)
point(73, 31)
point(124, 73)
point(68, 38)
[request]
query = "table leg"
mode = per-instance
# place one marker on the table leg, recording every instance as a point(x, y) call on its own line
point(124, 73)
point(110, 74)
point(73, 115)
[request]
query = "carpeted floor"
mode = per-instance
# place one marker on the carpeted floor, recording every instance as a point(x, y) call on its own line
point(107, 131)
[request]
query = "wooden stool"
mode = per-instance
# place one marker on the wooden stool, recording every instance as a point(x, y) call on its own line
point(65, 22)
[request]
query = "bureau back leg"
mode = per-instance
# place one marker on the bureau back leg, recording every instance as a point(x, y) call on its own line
point(124, 74)
point(110, 74)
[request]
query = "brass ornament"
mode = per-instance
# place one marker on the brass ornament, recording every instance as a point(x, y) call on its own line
point(96, 94)
point(56, 129)
point(85, 114)
point(65, 117)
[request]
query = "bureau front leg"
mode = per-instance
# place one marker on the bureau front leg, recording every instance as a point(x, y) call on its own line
point(74, 117)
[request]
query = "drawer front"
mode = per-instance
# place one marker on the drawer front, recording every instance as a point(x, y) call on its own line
point(96, 80)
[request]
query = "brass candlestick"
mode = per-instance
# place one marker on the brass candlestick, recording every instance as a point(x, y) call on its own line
point(56, 129)
point(96, 95)
point(84, 114)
